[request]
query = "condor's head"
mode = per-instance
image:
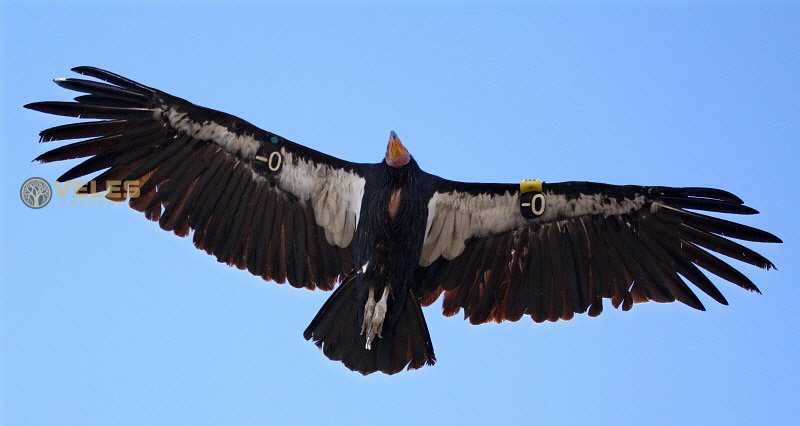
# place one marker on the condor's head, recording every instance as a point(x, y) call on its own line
point(397, 155)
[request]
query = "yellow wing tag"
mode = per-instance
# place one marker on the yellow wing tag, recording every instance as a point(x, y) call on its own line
point(530, 186)
point(531, 199)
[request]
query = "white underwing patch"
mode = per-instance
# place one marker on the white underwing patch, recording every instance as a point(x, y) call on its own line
point(455, 217)
point(245, 146)
point(558, 206)
point(335, 194)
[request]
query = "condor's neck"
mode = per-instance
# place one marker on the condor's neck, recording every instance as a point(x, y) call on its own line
point(401, 177)
point(391, 188)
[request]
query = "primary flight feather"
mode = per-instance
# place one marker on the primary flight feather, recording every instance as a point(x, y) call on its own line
point(394, 237)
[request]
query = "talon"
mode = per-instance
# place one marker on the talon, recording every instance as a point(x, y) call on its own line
point(374, 314)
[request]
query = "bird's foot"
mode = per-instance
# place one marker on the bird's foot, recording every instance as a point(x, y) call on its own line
point(374, 314)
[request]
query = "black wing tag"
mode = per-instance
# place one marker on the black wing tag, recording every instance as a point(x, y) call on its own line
point(269, 159)
point(531, 199)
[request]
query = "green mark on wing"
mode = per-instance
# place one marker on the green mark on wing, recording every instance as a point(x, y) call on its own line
point(274, 139)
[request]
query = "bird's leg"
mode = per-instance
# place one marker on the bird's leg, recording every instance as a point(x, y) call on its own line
point(380, 314)
point(374, 314)
point(369, 308)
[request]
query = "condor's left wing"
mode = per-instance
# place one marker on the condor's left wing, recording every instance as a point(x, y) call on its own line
point(253, 199)
point(550, 250)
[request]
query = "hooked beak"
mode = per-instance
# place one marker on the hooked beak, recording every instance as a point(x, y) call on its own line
point(396, 154)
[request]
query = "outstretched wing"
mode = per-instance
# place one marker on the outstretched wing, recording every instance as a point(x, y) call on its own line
point(576, 244)
point(253, 199)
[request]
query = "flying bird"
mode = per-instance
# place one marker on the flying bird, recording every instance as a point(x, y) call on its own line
point(389, 237)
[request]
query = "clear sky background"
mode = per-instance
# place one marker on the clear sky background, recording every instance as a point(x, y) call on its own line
point(109, 320)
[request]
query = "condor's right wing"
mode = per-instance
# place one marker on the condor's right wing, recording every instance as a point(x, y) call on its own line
point(559, 249)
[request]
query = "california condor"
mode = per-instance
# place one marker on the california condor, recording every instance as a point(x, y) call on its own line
point(394, 237)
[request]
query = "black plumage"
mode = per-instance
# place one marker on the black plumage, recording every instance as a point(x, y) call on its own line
point(285, 212)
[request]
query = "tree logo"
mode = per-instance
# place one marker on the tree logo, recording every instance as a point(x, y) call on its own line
point(36, 193)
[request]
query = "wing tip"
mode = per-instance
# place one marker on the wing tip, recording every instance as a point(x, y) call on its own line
point(747, 210)
point(82, 69)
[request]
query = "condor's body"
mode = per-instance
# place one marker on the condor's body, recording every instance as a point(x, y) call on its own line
point(390, 232)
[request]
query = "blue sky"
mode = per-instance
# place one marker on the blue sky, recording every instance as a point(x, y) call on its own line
point(108, 320)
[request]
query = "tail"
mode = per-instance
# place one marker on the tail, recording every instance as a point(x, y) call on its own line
point(336, 330)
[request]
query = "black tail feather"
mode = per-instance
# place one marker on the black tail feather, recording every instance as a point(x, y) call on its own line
point(336, 330)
